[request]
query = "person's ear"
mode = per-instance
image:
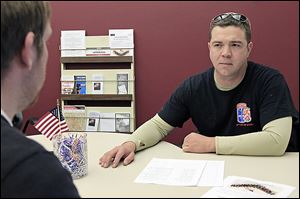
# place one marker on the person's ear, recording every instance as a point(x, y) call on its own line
point(249, 46)
point(27, 53)
point(208, 44)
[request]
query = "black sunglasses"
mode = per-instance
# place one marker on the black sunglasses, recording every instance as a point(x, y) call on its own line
point(236, 16)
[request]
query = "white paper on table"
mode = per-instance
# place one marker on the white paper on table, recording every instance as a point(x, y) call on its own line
point(172, 172)
point(227, 191)
point(213, 174)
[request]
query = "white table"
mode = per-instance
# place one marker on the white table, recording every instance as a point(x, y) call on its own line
point(119, 182)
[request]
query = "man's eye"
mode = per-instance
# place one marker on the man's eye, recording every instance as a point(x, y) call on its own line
point(236, 45)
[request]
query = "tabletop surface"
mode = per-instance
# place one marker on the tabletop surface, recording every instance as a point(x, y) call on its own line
point(119, 182)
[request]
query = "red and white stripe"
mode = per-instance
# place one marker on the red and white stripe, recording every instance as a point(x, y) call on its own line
point(49, 125)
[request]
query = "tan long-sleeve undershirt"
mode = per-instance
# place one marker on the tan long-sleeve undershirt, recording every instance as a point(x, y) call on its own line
point(272, 140)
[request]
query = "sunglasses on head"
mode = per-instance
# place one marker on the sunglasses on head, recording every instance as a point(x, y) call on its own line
point(236, 16)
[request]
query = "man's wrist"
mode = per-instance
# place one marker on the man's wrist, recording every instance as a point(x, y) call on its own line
point(130, 144)
point(213, 144)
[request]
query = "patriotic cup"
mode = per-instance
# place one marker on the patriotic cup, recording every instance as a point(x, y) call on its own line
point(71, 150)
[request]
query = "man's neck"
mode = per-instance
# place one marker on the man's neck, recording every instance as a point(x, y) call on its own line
point(9, 99)
point(229, 83)
point(7, 107)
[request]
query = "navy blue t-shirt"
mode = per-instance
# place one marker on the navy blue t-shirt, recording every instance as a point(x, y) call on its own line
point(262, 96)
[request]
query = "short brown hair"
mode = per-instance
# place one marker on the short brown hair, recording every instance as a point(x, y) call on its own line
point(17, 19)
point(231, 19)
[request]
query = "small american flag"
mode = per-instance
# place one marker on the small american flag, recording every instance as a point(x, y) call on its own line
point(49, 124)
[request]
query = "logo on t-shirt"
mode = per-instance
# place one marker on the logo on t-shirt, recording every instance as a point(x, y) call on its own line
point(243, 113)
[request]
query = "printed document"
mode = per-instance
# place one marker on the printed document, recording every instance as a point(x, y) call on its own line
point(213, 174)
point(121, 38)
point(72, 39)
point(182, 172)
point(107, 122)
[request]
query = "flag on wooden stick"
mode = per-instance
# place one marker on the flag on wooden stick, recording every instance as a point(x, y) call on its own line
point(52, 123)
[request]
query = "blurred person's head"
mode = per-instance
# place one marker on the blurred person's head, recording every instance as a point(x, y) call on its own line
point(25, 29)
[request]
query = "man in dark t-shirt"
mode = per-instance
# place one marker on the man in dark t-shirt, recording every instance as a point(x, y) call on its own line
point(27, 169)
point(238, 106)
point(261, 97)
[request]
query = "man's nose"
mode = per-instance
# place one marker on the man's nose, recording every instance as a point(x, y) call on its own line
point(226, 51)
